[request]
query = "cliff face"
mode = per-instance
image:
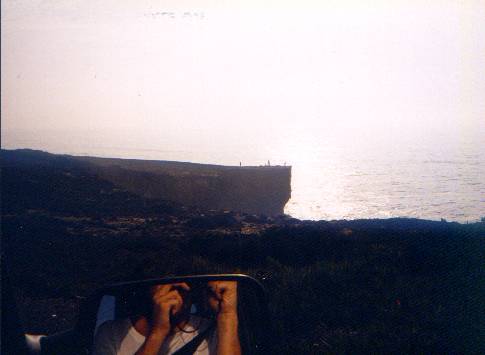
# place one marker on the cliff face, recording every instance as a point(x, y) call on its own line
point(258, 190)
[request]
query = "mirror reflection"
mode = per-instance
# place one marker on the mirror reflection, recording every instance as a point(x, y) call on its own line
point(176, 318)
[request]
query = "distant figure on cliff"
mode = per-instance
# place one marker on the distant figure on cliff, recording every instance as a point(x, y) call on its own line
point(269, 164)
point(240, 164)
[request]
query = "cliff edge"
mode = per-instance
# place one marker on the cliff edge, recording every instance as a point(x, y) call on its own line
point(255, 190)
point(259, 190)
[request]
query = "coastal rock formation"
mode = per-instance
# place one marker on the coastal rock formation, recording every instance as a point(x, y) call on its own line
point(261, 190)
point(256, 190)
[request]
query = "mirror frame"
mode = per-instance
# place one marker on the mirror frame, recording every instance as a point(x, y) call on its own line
point(86, 323)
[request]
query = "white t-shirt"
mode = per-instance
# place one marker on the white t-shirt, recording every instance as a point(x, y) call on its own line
point(119, 337)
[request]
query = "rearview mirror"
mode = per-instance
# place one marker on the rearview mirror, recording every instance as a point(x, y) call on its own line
point(203, 314)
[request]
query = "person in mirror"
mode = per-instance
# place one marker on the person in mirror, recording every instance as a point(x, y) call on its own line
point(169, 326)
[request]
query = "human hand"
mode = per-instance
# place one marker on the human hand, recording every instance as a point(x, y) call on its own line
point(223, 300)
point(223, 297)
point(167, 302)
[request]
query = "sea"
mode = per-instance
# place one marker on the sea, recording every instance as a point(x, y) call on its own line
point(334, 176)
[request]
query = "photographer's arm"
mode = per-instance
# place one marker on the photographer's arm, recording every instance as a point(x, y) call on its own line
point(227, 335)
point(224, 301)
point(153, 343)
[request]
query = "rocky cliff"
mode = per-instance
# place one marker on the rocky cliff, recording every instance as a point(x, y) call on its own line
point(258, 190)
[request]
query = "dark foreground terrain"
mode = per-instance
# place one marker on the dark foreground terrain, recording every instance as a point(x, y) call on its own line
point(367, 286)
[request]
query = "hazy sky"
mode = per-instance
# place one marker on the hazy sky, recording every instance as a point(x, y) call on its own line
point(191, 71)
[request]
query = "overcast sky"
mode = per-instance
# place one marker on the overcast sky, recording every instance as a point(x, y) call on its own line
point(151, 69)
